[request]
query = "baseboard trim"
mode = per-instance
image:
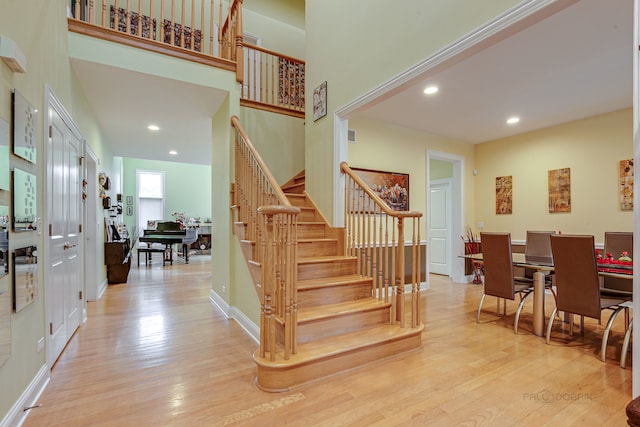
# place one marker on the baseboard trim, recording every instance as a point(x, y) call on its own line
point(17, 415)
point(231, 312)
point(102, 288)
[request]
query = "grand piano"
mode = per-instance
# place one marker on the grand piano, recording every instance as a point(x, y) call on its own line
point(169, 234)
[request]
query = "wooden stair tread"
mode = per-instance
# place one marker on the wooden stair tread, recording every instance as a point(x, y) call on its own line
point(339, 309)
point(317, 239)
point(318, 259)
point(332, 281)
point(333, 346)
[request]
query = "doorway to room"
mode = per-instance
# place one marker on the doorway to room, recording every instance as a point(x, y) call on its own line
point(444, 214)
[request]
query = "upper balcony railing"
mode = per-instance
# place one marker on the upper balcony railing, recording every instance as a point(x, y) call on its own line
point(200, 31)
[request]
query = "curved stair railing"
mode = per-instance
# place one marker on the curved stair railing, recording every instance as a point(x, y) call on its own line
point(376, 235)
point(269, 221)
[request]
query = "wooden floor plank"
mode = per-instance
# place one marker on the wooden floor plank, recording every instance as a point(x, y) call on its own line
point(156, 352)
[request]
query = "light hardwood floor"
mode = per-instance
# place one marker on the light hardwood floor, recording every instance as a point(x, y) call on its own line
point(156, 352)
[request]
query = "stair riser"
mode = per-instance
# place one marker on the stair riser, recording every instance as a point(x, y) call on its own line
point(299, 201)
point(307, 215)
point(248, 249)
point(333, 294)
point(340, 267)
point(334, 326)
point(321, 248)
point(311, 231)
point(279, 379)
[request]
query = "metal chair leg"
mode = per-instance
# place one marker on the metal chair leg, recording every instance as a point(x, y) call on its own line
point(553, 315)
point(605, 335)
point(625, 345)
point(479, 308)
point(517, 319)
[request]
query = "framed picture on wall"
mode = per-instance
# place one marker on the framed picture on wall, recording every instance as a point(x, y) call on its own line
point(320, 101)
point(391, 187)
point(24, 128)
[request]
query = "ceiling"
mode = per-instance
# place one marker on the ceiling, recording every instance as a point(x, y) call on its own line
point(571, 65)
point(126, 102)
point(574, 64)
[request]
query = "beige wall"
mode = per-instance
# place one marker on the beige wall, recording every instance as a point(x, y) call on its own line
point(356, 52)
point(392, 148)
point(591, 148)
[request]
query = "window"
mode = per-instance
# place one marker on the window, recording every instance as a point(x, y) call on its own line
point(150, 185)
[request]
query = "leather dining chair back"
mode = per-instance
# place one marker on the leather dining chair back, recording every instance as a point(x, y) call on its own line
point(498, 273)
point(576, 273)
point(578, 285)
point(498, 265)
point(538, 243)
point(616, 242)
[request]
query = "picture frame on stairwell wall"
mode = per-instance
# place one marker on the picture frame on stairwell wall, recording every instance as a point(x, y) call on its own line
point(320, 101)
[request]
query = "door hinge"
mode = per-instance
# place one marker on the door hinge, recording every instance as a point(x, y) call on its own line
point(80, 295)
point(50, 328)
point(79, 228)
point(50, 229)
point(80, 159)
point(50, 131)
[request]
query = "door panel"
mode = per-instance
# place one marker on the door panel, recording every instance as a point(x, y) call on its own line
point(64, 269)
point(440, 229)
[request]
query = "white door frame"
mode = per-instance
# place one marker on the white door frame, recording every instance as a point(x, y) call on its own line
point(92, 223)
point(457, 211)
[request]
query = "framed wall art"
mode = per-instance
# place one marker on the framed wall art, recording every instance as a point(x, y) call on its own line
point(24, 128)
point(559, 190)
point(504, 195)
point(625, 189)
point(25, 276)
point(24, 201)
point(391, 187)
point(320, 101)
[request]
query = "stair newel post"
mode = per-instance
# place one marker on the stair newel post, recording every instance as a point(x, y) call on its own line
point(293, 268)
point(415, 274)
point(239, 41)
point(268, 286)
point(289, 285)
point(399, 273)
point(385, 260)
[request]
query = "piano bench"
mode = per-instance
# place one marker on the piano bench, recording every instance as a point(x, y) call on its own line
point(149, 251)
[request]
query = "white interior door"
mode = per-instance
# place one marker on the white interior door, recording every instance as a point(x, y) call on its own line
point(64, 264)
point(440, 228)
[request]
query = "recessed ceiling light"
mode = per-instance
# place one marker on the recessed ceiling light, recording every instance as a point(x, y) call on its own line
point(153, 127)
point(173, 152)
point(430, 90)
point(513, 120)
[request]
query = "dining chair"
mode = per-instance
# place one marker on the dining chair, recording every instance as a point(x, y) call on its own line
point(616, 242)
point(499, 280)
point(578, 284)
point(538, 244)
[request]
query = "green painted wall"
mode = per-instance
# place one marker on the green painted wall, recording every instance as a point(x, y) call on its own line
point(187, 188)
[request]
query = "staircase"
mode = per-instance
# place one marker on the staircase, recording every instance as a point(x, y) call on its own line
point(341, 325)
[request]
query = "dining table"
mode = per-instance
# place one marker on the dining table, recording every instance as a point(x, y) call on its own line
point(543, 266)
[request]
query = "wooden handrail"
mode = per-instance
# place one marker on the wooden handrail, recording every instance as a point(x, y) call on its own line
point(270, 221)
point(282, 199)
point(185, 29)
point(375, 237)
